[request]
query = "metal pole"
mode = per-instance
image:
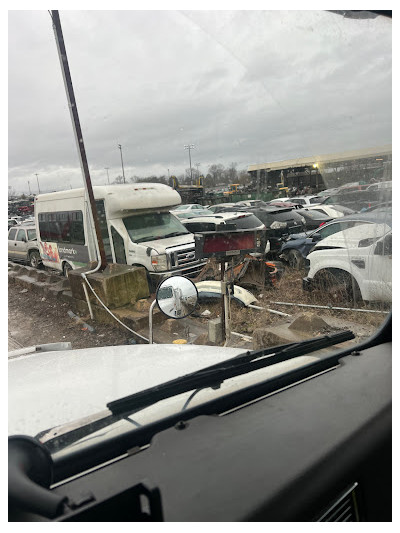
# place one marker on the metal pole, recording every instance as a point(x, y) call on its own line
point(190, 147)
point(223, 290)
point(190, 164)
point(37, 182)
point(151, 321)
point(122, 162)
point(332, 308)
point(62, 54)
point(29, 185)
point(108, 177)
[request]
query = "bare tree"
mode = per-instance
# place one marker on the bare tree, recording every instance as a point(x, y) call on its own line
point(217, 173)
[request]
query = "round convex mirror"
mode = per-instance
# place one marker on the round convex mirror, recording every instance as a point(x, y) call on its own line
point(177, 297)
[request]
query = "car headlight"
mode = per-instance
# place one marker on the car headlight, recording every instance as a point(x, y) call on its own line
point(159, 262)
point(278, 225)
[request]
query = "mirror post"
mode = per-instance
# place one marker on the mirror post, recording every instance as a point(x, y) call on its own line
point(151, 321)
point(223, 300)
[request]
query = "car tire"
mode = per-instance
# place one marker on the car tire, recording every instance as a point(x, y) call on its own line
point(295, 259)
point(34, 259)
point(339, 287)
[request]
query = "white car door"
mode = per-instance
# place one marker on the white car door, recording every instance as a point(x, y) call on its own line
point(379, 268)
point(12, 243)
point(20, 245)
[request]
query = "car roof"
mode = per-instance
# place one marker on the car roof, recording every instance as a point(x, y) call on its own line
point(25, 226)
point(353, 235)
point(304, 197)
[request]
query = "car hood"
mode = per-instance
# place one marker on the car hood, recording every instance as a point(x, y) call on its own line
point(302, 235)
point(161, 245)
point(56, 388)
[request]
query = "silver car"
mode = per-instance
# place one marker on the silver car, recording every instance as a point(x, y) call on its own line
point(23, 246)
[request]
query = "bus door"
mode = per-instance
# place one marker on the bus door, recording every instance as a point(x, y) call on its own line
point(119, 246)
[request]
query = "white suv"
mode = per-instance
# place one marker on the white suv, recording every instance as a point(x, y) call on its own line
point(355, 262)
point(23, 246)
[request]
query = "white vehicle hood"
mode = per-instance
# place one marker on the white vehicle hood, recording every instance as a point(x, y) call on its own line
point(54, 388)
point(350, 237)
point(161, 245)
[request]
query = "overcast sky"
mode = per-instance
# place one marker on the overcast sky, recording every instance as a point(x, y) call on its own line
point(242, 86)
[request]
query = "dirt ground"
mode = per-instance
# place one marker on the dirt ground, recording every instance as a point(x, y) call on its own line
point(38, 320)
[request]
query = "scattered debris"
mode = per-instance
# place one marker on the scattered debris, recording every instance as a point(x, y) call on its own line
point(206, 312)
point(212, 289)
point(23, 290)
point(78, 320)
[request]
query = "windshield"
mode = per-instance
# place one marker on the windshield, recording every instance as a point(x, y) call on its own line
point(153, 226)
point(224, 109)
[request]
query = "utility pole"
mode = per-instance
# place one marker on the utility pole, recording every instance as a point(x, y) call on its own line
point(122, 162)
point(62, 54)
point(29, 185)
point(108, 177)
point(190, 147)
point(37, 182)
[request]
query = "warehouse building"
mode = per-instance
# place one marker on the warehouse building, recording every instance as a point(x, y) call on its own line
point(320, 172)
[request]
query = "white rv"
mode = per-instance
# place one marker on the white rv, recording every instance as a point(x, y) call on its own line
point(136, 226)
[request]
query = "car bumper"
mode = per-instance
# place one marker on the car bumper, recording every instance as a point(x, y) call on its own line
point(189, 272)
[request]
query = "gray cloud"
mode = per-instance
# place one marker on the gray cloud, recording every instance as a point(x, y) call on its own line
point(242, 86)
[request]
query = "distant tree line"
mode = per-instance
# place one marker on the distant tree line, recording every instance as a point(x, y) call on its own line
point(217, 175)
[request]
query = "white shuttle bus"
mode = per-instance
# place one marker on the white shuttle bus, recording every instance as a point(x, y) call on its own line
point(136, 226)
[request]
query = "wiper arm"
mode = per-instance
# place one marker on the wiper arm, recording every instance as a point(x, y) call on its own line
point(219, 372)
point(175, 234)
point(210, 376)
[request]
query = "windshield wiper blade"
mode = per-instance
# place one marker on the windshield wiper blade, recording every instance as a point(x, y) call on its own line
point(174, 234)
point(216, 374)
point(59, 437)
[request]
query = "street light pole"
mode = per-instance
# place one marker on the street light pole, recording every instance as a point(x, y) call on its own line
point(108, 177)
point(189, 147)
point(29, 185)
point(37, 182)
point(122, 162)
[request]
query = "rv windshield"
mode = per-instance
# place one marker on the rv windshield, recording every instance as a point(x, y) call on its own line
point(153, 226)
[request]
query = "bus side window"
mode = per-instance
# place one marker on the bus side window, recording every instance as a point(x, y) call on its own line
point(119, 246)
point(43, 227)
point(77, 232)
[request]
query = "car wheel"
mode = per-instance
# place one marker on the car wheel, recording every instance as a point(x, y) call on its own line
point(339, 287)
point(295, 259)
point(66, 268)
point(34, 259)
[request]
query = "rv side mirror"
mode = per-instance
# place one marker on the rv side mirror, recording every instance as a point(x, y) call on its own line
point(177, 297)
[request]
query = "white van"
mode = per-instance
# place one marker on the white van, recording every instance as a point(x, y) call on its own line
point(136, 226)
point(362, 254)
